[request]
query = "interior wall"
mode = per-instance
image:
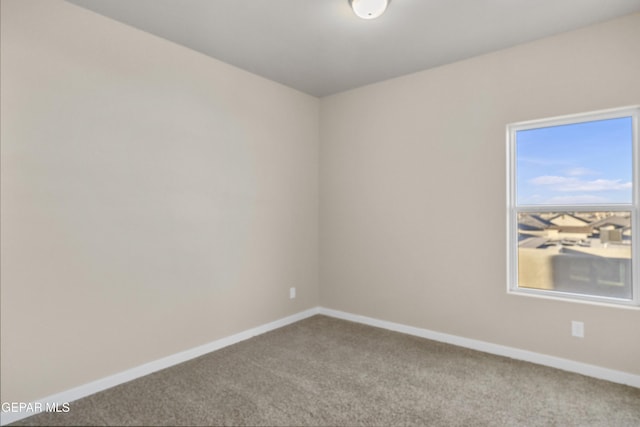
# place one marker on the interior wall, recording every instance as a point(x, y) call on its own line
point(413, 193)
point(153, 199)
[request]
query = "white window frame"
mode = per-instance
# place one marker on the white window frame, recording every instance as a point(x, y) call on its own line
point(513, 208)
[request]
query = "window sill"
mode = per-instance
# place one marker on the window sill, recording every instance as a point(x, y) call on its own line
point(572, 298)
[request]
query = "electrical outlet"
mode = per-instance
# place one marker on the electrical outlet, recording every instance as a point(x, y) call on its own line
point(577, 329)
point(292, 293)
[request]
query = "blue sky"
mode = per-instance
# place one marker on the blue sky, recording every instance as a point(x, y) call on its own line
point(583, 163)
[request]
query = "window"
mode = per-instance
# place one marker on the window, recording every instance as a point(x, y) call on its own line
point(573, 207)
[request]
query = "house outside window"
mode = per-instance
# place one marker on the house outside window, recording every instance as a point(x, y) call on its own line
point(573, 207)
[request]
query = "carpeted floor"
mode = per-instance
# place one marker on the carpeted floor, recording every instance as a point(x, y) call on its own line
point(329, 372)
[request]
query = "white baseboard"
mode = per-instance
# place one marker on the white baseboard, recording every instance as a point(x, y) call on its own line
point(500, 350)
point(148, 368)
point(156, 365)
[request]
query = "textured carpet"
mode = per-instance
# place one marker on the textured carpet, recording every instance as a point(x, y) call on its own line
point(329, 372)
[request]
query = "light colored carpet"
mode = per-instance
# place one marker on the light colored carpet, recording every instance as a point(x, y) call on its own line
point(328, 372)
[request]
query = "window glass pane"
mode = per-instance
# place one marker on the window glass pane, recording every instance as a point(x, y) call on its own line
point(575, 164)
point(576, 252)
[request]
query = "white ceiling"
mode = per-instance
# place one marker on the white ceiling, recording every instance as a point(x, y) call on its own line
point(320, 47)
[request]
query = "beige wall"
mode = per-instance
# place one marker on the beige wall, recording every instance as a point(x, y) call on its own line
point(413, 193)
point(153, 199)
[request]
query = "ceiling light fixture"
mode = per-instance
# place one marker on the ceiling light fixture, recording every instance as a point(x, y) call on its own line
point(368, 9)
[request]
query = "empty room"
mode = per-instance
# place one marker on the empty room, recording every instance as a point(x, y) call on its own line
point(320, 212)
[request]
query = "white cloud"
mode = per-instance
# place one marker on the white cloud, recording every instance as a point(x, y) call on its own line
point(584, 199)
point(563, 183)
point(540, 161)
point(549, 180)
point(581, 172)
point(534, 199)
